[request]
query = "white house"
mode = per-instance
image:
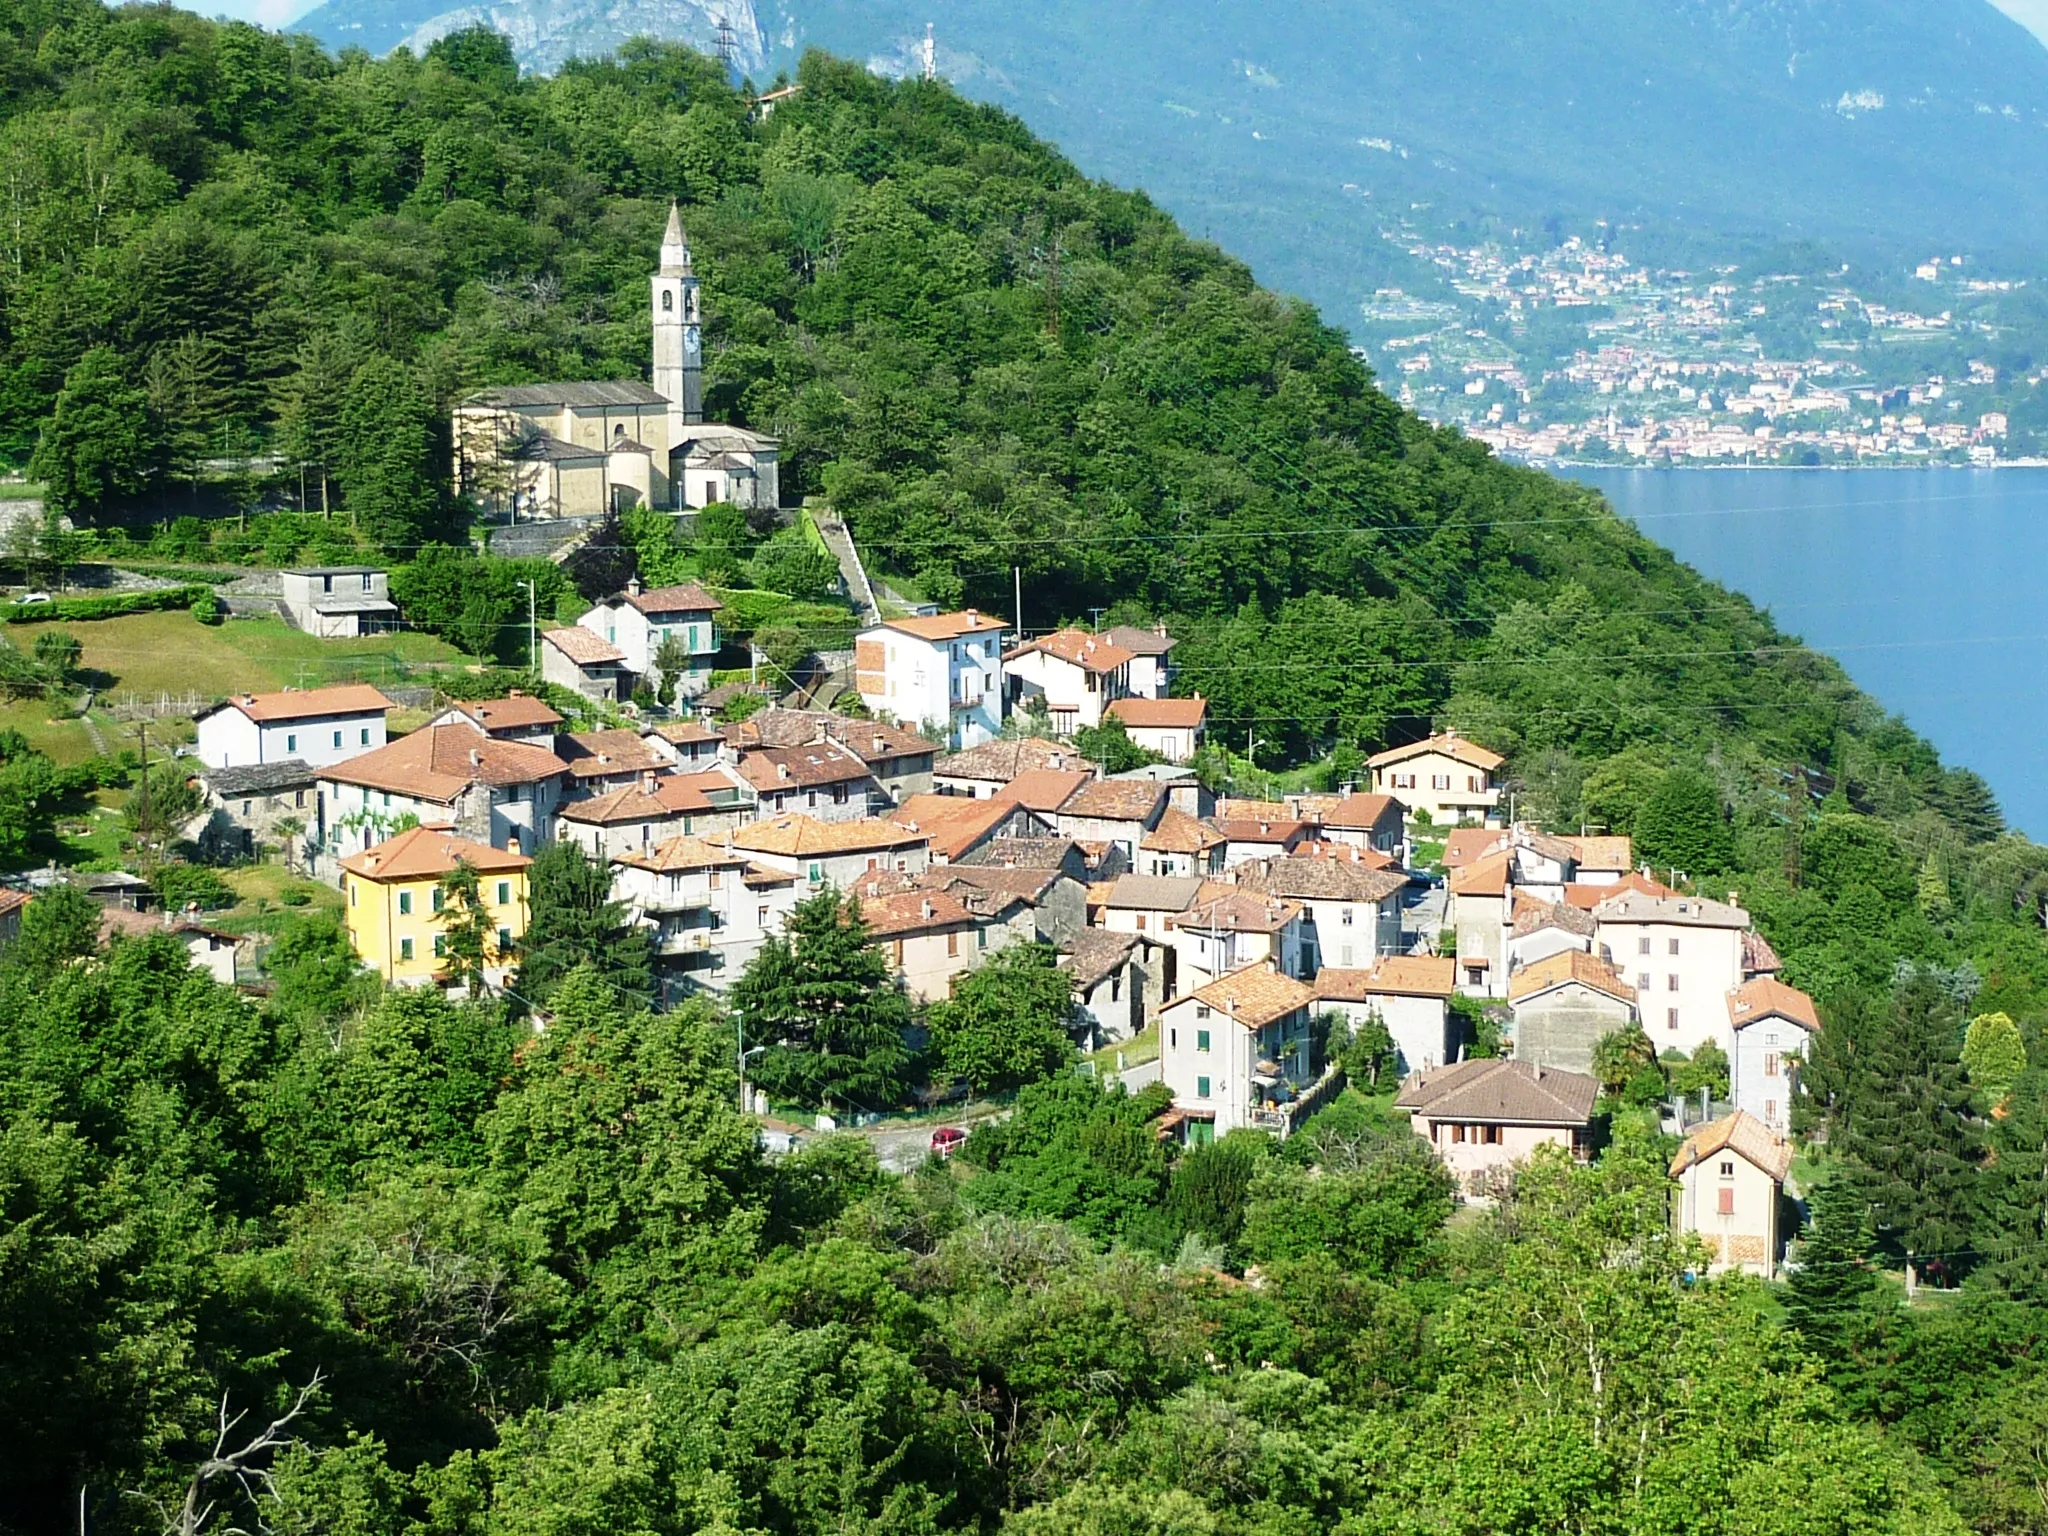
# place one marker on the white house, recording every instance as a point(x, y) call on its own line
point(585, 663)
point(943, 671)
point(638, 621)
point(1773, 1027)
point(1478, 914)
point(1540, 929)
point(1234, 930)
point(1483, 1117)
point(932, 936)
point(1234, 1050)
point(1684, 955)
point(516, 717)
point(1353, 910)
point(709, 907)
point(1410, 994)
point(504, 794)
point(1173, 728)
point(1730, 1174)
point(1151, 674)
point(316, 726)
point(1073, 675)
point(338, 602)
point(1446, 777)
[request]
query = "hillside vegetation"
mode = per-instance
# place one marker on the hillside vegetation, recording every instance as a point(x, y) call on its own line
point(545, 1280)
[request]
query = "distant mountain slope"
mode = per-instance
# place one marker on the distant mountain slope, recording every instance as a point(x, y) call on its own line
point(1284, 132)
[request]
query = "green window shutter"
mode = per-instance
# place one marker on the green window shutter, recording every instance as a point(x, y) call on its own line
point(437, 898)
point(405, 949)
point(440, 945)
point(504, 892)
point(1201, 1086)
point(405, 903)
point(1201, 1039)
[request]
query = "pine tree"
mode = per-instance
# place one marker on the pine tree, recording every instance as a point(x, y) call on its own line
point(1831, 1285)
point(1908, 1127)
point(822, 999)
point(574, 921)
point(1683, 825)
point(466, 936)
point(97, 450)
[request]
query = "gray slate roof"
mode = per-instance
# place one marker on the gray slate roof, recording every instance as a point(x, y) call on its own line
point(1093, 955)
point(259, 778)
point(579, 393)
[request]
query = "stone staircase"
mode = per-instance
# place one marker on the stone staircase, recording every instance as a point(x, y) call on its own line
point(839, 540)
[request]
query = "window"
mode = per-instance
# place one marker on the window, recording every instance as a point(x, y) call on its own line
point(337, 741)
point(1726, 1204)
point(247, 806)
point(440, 945)
point(1173, 1039)
point(368, 580)
point(504, 940)
point(1201, 1087)
point(1201, 1039)
point(668, 301)
point(436, 899)
point(1770, 1063)
point(817, 874)
point(299, 799)
point(952, 944)
point(366, 735)
point(1727, 1170)
point(1770, 1111)
point(405, 903)
point(1457, 1133)
point(1440, 781)
point(810, 797)
point(1472, 783)
point(405, 949)
point(839, 794)
point(981, 938)
point(1671, 982)
point(354, 891)
point(761, 916)
point(1347, 917)
point(693, 639)
point(1643, 981)
point(505, 891)
point(1201, 1010)
point(896, 950)
point(1674, 947)
point(1643, 945)
point(1141, 922)
point(1671, 1018)
point(291, 742)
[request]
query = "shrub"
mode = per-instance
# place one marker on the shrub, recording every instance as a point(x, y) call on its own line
point(111, 605)
point(208, 609)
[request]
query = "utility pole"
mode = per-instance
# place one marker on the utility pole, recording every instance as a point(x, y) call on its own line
point(1017, 577)
point(532, 632)
point(728, 44)
point(1095, 615)
point(145, 816)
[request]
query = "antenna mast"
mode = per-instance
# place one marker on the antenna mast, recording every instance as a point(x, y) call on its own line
point(931, 54)
point(728, 44)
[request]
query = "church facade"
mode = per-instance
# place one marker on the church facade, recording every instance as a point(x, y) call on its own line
point(579, 449)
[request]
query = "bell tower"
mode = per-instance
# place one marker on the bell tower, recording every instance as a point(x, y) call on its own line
point(678, 325)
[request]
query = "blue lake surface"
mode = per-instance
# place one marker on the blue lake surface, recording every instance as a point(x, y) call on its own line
point(1929, 586)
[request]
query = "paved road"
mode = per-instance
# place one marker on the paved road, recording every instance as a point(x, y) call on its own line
point(902, 1148)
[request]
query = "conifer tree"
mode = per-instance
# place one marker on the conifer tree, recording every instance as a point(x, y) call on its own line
point(573, 921)
point(821, 998)
point(465, 925)
point(1831, 1285)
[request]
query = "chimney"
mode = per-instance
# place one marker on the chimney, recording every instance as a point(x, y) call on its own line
point(633, 585)
point(1735, 900)
point(515, 693)
point(782, 770)
point(927, 909)
point(476, 758)
point(647, 782)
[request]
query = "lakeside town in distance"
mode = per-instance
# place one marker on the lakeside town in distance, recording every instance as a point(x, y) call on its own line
point(1579, 354)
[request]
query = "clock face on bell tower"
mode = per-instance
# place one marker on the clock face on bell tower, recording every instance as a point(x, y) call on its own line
point(690, 340)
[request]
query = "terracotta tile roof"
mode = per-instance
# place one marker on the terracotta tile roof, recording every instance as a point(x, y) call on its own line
point(1604, 855)
point(1564, 968)
point(128, 923)
point(439, 762)
point(1741, 1133)
point(677, 855)
point(1230, 809)
point(518, 711)
point(12, 901)
point(1091, 653)
point(1030, 885)
point(1633, 906)
point(1587, 897)
point(872, 740)
point(1361, 813)
point(1320, 879)
point(619, 806)
point(602, 754)
point(1116, 800)
point(952, 823)
point(1093, 955)
point(684, 597)
point(1239, 912)
point(1346, 853)
point(1178, 832)
point(946, 626)
point(1162, 714)
point(1023, 852)
point(1244, 829)
point(1488, 877)
point(773, 770)
point(1514, 1092)
point(685, 792)
point(689, 733)
point(1001, 761)
point(1254, 996)
point(427, 853)
point(1468, 845)
point(1390, 976)
point(1143, 642)
point(1533, 916)
point(796, 836)
point(1042, 789)
point(1152, 893)
point(583, 647)
point(307, 703)
point(1556, 849)
point(1758, 958)
point(913, 912)
point(1768, 997)
point(1449, 744)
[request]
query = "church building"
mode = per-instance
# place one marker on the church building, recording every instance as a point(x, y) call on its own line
point(581, 449)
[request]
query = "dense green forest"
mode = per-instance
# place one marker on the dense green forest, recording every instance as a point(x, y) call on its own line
point(545, 1282)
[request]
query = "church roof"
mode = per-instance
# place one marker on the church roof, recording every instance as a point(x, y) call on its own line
point(675, 246)
point(584, 392)
point(704, 440)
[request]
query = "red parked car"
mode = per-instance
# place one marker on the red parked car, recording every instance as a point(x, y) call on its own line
point(946, 1140)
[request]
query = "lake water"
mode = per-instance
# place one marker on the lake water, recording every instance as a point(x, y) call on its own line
point(1929, 586)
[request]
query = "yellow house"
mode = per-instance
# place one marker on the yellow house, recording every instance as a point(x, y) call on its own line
point(1450, 778)
point(395, 912)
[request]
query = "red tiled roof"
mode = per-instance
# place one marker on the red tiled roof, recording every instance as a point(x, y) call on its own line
point(1766, 997)
point(1741, 1133)
point(427, 853)
point(945, 626)
point(1562, 969)
point(1042, 789)
point(684, 597)
point(510, 713)
point(1162, 714)
point(439, 762)
point(308, 703)
point(1448, 744)
point(583, 647)
point(601, 754)
point(1091, 653)
point(1390, 976)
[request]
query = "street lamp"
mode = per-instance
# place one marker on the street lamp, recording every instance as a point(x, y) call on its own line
point(740, 1023)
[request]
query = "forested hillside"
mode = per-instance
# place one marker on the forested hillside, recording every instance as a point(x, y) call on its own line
point(544, 1282)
